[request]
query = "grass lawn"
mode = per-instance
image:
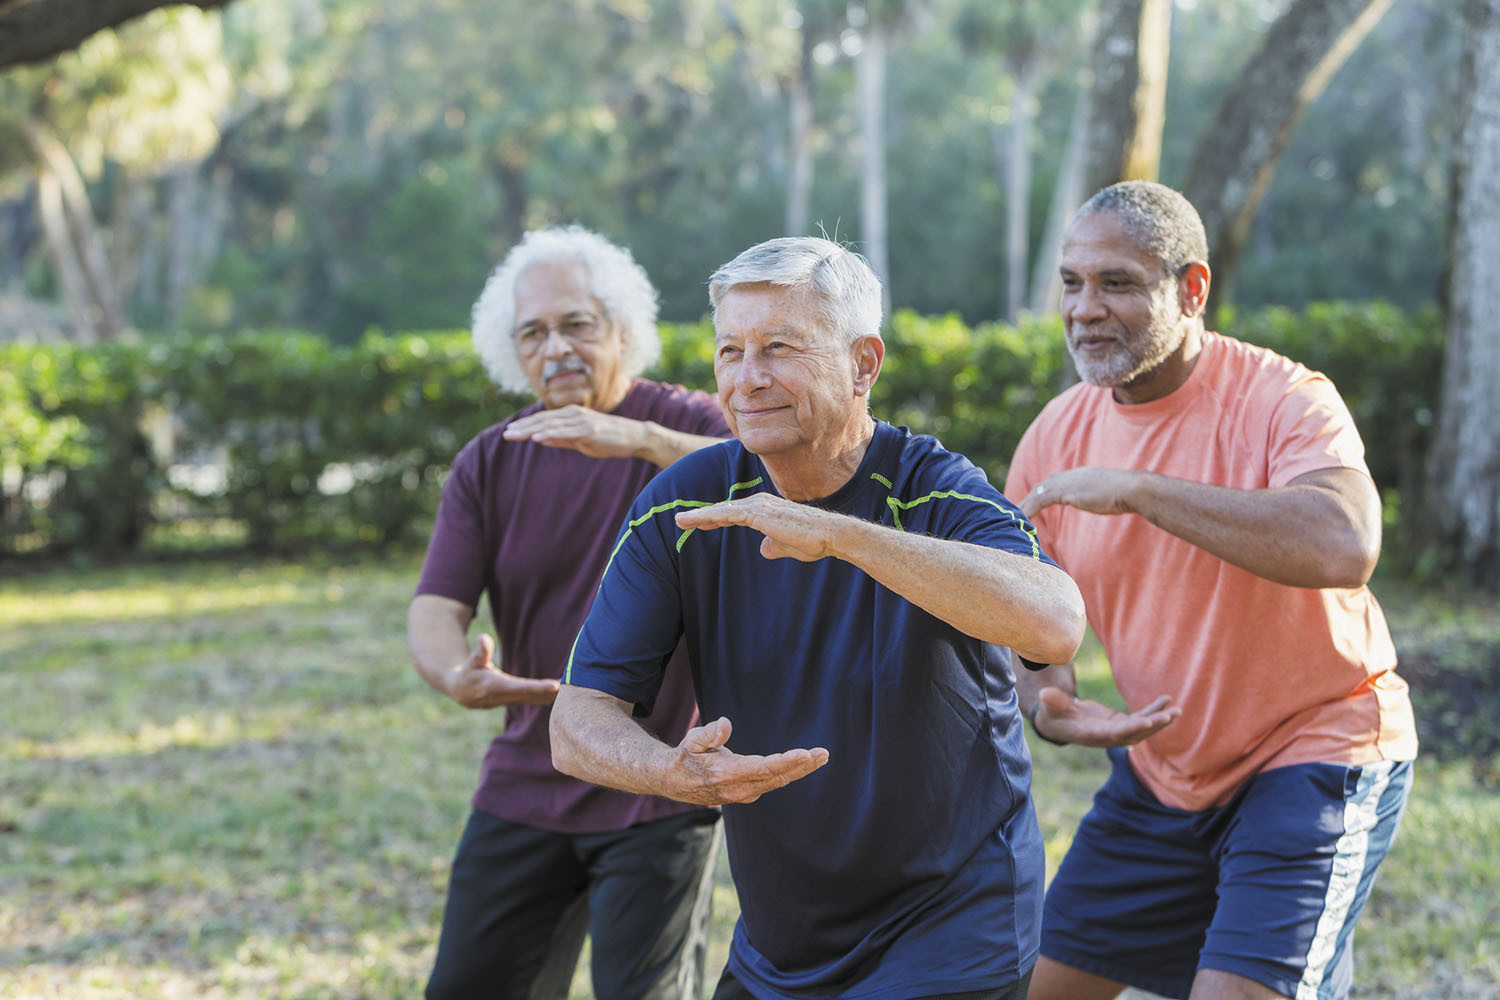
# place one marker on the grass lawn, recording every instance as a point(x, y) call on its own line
point(223, 779)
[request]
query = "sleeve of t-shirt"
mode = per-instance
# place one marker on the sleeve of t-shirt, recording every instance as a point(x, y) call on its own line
point(1311, 429)
point(1023, 475)
point(454, 565)
point(636, 618)
point(968, 508)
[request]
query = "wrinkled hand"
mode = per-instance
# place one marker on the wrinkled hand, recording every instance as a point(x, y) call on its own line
point(1098, 491)
point(477, 683)
point(1092, 724)
point(712, 775)
point(595, 434)
point(792, 529)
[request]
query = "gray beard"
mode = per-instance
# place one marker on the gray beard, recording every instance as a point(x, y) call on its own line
point(1134, 357)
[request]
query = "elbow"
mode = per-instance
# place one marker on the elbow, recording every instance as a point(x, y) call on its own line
point(1059, 628)
point(1350, 565)
point(565, 756)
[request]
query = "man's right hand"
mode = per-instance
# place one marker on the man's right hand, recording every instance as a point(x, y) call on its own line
point(710, 774)
point(1068, 719)
point(478, 683)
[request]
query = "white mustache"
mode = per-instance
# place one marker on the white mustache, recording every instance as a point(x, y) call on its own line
point(567, 366)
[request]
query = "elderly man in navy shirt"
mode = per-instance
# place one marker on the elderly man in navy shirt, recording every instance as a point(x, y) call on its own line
point(845, 591)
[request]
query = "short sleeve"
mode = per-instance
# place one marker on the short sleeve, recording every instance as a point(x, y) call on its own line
point(1022, 476)
point(963, 505)
point(1311, 429)
point(635, 621)
point(454, 566)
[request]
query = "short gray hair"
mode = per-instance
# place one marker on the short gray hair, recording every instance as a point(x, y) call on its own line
point(1156, 217)
point(848, 292)
point(614, 278)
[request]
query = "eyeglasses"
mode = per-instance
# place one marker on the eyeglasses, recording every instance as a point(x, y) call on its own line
point(576, 328)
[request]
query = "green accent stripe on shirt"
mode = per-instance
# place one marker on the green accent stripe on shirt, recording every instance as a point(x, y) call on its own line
point(748, 484)
point(897, 506)
point(630, 529)
point(881, 479)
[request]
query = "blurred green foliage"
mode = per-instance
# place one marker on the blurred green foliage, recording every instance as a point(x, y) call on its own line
point(317, 444)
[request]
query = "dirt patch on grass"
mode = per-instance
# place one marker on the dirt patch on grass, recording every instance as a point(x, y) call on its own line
point(1456, 695)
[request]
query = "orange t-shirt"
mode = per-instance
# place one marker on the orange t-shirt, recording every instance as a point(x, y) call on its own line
point(1267, 675)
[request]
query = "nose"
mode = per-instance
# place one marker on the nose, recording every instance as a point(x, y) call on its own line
point(1083, 305)
point(556, 345)
point(752, 372)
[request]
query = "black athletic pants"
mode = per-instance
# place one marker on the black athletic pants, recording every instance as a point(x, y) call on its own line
point(521, 899)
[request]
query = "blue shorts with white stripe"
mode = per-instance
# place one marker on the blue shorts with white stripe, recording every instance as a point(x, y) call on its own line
point(1267, 886)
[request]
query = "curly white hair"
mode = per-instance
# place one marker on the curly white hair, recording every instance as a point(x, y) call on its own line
point(615, 279)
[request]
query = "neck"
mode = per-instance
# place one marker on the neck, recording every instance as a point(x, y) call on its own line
point(816, 472)
point(614, 395)
point(1168, 376)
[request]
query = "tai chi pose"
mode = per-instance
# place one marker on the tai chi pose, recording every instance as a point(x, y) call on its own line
point(1211, 498)
point(528, 514)
point(844, 589)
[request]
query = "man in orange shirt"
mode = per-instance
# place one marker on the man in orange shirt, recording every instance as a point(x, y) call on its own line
point(1212, 501)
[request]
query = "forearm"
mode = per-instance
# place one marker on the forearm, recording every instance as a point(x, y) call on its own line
point(1010, 600)
point(595, 739)
point(662, 445)
point(1301, 535)
point(436, 636)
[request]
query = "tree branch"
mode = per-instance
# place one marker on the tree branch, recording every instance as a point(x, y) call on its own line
point(35, 30)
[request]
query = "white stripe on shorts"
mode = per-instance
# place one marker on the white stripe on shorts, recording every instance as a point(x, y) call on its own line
point(1360, 813)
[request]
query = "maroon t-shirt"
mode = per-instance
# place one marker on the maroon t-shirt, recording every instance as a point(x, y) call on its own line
point(533, 525)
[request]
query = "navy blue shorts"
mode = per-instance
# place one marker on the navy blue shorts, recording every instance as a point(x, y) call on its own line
point(1267, 886)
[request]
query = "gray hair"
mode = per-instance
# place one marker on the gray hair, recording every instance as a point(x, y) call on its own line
point(614, 278)
point(1156, 217)
point(848, 293)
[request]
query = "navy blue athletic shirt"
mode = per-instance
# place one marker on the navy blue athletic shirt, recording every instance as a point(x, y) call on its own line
point(911, 864)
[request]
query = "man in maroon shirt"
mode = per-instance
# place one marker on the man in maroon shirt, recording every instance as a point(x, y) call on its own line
point(529, 515)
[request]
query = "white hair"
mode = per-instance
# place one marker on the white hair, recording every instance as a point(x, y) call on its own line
point(614, 278)
point(847, 290)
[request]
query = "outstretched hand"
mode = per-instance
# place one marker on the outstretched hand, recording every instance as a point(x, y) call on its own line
point(791, 529)
point(710, 774)
point(478, 683)
point(595, 434)
point(1098, 491)
point(1067, 719)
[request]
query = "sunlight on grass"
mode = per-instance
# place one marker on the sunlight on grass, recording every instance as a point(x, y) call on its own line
point(225, 780)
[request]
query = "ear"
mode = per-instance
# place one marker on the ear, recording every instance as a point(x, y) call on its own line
point(1192, 289)
point(869, 352)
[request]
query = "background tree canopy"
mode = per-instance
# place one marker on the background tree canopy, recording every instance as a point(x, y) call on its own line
point(337, 165)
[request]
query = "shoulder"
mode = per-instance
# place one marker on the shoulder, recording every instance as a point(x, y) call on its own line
point(924, 468)
point(488, 445)
point(706, 474)
point(671, 405)
point(1240, 362)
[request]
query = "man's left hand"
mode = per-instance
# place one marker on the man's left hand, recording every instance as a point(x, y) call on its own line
point(792, 530)
point(595, 434)
point(1098, 491)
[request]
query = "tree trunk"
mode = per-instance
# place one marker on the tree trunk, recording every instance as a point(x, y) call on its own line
point(800, 178)
point(1127, 102)
point(1236, 158)
point(1067, 195)
point(65, 266)
point(1466, 456)
point(1017, 149)
point(869, 85)
point(73, 239)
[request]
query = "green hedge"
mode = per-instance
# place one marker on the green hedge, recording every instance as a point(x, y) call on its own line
point(281, 412)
